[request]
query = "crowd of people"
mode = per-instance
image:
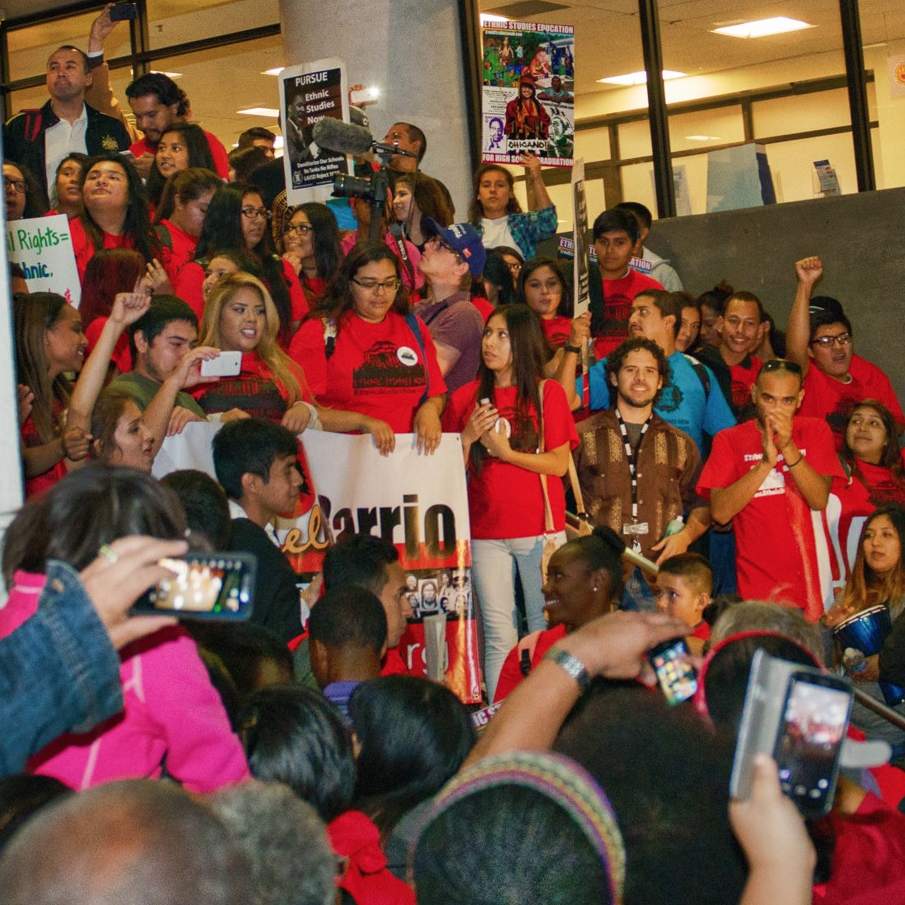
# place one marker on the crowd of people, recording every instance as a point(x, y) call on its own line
point(662, 466)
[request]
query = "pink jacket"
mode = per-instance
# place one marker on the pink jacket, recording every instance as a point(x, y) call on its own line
point(173, 716)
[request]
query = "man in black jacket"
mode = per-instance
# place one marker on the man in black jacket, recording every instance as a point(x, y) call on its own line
point(257, 464)
point(40, 139)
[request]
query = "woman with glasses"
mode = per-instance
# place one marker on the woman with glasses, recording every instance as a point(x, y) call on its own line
point(23, 194)
point(372, 364)
point(311, 246)
point(237, 220)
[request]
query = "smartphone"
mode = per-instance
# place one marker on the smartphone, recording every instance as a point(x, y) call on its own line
point(123, 11)
point(208, 586)
point(799, 716)
point(226, 364)
point(675, 674)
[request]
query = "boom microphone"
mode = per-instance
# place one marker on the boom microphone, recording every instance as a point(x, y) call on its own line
point(347, 138)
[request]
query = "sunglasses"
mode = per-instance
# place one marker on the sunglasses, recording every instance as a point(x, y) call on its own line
point(781, 364)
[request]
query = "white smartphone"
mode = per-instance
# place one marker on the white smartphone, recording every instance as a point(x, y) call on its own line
point(226, 364)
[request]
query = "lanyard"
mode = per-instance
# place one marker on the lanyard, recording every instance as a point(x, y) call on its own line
point(632, 456)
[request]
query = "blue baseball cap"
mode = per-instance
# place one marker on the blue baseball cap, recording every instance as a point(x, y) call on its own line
point(462, 238)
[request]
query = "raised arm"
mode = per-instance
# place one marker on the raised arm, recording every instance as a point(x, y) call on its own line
point(798, 331)
point(538, 197)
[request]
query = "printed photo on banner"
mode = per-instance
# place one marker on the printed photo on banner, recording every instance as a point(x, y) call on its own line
point(528, 92)
point(42, 247)
point(308, 93)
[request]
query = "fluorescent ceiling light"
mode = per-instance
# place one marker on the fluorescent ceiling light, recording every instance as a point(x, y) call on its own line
point(703, 138)
point(639, 78)
point(269, 112)
point(275, 71)
point(490, 17)
point(761, 28)
point(172, 75)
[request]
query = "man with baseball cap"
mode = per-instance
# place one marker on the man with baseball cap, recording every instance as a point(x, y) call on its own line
point(453, 256)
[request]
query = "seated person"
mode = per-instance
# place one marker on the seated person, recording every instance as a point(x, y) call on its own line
point(684, 588)
point(256, 462)
point(348, 632)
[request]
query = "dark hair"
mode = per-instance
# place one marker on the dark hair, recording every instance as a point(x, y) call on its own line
point(749, 297)
point(246, 139)
point(358, 559)
point(204, 503)
point(669, 304)
point(526, 340)
point(349, 616)
point(428, 195)
point(716, 298)
point(136, 223)
point(110, 405)
point(642, 213)
point(509, 250)
point(244, 161)
point(163, 310)
point(475, 208)
point(21, 797)
point(339, 297)
point(74, 49)
point(415, 134)
point(223, 230)
point(167, 91)
point(601, 549)
point(36, 204)
point(865, 587)
point(249, 446)
point(110, 271)
point(199, 156)
point(692, 566)
point(617, 357)
point(497, 272)
point(825, 316)
point(891, 458)
point(186, 185)
point(565, 304)
point(90, 507)
point(616, 220)
point(414, 736)
point(327, 247)
point(294, 735)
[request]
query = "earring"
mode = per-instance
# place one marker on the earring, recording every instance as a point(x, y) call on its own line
point(595, 587)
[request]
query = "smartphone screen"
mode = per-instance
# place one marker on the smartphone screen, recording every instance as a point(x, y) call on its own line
point(676, 675)
point(214, 586)
point(122, 11)
point(815, 717)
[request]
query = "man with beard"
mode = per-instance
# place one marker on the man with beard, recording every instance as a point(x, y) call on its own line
point(766, 475)
point(637, 472)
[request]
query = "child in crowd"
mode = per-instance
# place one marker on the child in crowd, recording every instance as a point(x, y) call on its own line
point(684, 588)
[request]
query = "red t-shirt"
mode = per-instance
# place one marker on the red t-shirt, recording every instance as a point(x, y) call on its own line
point(41, 482)
point(314, 288)
point(828, 398)
point(483, 305)
point(618, 296)
point(375, 369)
point(83, 248)
point(176, 253)
point(556, 330)
point(741, 380)
point(776, 557)
point(506, 501)
point(122, 354)
point(218, 152)
point(412, 276)
point(393, 664)
point(537, 644)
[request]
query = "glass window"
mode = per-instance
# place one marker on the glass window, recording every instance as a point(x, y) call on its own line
point(704, 128)
point(222, 81)
point(634, 139)
point(593, 144)
point(638, 184)
point(180, 21)
point(30, 47)
point(801, 113)
point(792, 165)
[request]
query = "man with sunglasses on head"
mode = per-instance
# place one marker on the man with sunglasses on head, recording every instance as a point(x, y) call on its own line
point(766, 475)
point(819, 338)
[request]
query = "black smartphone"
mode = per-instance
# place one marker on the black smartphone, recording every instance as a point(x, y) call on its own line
point(676, 675)
point(812, 728)
point(122, 11)
point(208, 586)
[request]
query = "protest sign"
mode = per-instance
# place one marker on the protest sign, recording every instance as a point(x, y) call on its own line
point(42, 247)
point(580, 275)
point(308, 93)
point(527, 98)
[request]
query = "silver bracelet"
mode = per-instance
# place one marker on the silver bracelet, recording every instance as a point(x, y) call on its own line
point(572, 665)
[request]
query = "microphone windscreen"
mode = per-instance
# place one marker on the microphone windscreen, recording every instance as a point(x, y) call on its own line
point(335, 135)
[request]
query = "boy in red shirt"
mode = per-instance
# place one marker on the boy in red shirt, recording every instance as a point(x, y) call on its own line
point(684, 588)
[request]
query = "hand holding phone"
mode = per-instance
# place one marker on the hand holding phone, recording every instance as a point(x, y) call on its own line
point(676, 676)
point(226, 364)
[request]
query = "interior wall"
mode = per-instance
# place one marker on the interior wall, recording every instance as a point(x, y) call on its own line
point(859, 238)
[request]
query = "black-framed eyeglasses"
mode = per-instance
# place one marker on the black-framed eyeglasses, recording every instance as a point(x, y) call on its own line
point(781, 364)
point(17, 185)
point(827, 342)
point(441, 244)
point(303, 228)
point(390, 285)
point(255, 213)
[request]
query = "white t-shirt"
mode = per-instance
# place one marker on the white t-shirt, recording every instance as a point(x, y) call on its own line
point(496, 232)
point(61, 139)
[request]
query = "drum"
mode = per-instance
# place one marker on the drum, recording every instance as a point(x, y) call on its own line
point(867, 632)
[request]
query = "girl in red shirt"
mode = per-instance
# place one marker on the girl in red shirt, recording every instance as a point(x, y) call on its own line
point(310, 244)
point(543, 288)
point(183, 145)
point(517, 431)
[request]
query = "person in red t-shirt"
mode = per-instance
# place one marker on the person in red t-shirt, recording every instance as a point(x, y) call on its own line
point(180, 217)
point(819, 338)
point(766, 475)
point(517, 432)
point(584, 581)
point(613, 284)
point(372, 364)
point(310, 244)
point(684, 586)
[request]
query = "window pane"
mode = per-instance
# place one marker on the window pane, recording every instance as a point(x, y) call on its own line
point(638, 184)
point(223, 80)
point(593, 144)
point(792, 165)
point(634, 139)
point(180, 21)
point(721, 126)
point(31, 46)
point(801, 113)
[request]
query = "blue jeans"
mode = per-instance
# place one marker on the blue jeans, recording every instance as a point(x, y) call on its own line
point(492, 563)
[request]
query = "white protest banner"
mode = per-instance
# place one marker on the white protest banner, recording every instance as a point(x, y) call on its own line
point(527, 94)
point(41, 246)
point(580, 275)
point(308, 93)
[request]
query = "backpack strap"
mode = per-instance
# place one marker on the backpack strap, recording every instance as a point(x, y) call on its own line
point(701, 370)
point(526, 648)
point(412, 322)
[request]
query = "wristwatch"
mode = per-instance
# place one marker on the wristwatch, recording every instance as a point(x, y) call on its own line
point(570, 348)
point(571, 664)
